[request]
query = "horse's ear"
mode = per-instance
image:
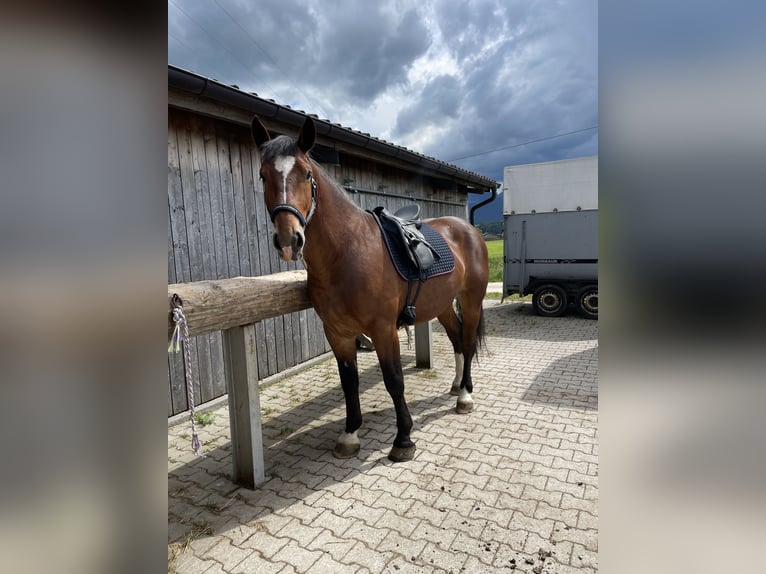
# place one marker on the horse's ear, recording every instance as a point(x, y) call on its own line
point(260, 133)
point(308, 135)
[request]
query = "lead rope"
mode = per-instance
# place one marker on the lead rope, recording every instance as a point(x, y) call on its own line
point(181, 334)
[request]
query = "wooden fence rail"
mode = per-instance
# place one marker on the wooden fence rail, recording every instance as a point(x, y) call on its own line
point(224, 303)
point(234, 306)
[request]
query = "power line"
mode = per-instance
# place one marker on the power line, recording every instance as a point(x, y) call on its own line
point(214, 38)
point(268, 55)
point(177, 39)
point(523, 143)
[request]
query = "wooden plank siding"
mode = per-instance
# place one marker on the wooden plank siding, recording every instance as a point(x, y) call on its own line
point(218, 228)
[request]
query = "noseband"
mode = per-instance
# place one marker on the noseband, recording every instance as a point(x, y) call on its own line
point(295, 211)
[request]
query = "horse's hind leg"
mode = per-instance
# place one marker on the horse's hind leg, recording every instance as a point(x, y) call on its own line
point(451, 324)
point(471, 333)
point(344, 349)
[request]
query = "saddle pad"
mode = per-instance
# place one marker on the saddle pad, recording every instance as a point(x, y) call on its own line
point(444, 264)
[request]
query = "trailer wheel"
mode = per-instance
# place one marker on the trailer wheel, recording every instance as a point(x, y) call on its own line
point(549, 300)
point(587, 302)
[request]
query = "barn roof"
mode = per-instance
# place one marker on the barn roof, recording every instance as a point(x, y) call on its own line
point(208, 89)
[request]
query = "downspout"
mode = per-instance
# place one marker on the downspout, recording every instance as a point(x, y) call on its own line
point(482, 204)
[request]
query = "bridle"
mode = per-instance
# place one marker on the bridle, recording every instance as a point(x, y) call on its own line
point(294, 210)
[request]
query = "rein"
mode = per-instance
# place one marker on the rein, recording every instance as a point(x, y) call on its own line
point(295, 211)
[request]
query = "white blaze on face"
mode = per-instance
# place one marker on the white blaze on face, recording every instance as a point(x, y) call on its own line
point(284, 164)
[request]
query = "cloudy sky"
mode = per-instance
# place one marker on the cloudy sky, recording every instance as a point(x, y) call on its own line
point(447, 78)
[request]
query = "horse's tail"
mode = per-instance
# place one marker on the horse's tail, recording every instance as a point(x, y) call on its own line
point(480, 328)
point(480, 333)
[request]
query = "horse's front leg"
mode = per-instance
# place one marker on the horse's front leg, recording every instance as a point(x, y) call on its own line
point(387, 348)
point(344, 349)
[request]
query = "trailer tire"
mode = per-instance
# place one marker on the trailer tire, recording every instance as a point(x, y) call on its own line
point(549, 300)
point(587, 302)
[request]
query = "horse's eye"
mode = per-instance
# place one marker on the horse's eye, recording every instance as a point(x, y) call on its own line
point(308, 176)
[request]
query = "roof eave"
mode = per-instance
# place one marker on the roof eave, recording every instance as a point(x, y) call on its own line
point(211, 89)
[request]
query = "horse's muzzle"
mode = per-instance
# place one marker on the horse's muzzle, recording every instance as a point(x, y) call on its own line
point(290, 245)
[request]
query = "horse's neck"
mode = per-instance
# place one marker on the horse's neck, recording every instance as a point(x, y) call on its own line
point(332, 229)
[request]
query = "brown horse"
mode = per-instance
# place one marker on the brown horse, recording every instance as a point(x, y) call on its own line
point(354, 286)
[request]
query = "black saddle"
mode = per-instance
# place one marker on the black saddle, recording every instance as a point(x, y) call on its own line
point(403, 226)
point(416, 249)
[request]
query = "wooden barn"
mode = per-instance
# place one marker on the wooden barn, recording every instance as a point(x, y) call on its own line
point(217, 221)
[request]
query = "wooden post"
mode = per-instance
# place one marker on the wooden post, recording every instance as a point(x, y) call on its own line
point(423, 343)
point(241, 367)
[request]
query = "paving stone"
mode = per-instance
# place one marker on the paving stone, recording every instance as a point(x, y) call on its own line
point(300, 558)
point(188, 563)
point(327, 542)
point(265, 544)
point(303, 512)
point(587, 538)
point(327, 564)
point(334, 523)
point(441, 559)
point(362, 555)
point(566, 515)
point(401, 523)
point(585, 520)
point(366, 514)
point(227, 554)
point(569, 501)
point(255, 563)
point(503, 536)
point(581, 556)
point(518, 474)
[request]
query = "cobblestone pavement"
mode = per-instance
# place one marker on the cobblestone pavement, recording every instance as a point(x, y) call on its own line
point(511, 487)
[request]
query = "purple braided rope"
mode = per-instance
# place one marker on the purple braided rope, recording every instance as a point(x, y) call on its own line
point(180, 320)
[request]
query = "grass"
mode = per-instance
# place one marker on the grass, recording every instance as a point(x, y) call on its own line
point(495, 249)
point(197, 530)
point(204, 418)
point(514, 297)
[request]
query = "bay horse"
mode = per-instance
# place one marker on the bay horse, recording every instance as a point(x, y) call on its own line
point(353, 285)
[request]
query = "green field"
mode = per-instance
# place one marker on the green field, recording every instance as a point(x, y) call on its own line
point(495, 249)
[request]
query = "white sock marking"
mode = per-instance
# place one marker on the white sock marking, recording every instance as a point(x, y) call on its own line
point(348, 438)
point(459, 363)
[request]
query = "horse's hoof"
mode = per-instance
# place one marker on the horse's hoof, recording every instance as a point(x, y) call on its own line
point(455, 391)
point(401, 454)
point(345, 450)
point(464, 403)
point(347, 445)
point(464, 407)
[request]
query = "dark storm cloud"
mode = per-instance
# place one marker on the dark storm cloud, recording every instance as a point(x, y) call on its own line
point(538, 79)
point(352, 49)
point(467, 27)
point(365, 50)
point(448, 79)
point(440, 100)
point(261, 48)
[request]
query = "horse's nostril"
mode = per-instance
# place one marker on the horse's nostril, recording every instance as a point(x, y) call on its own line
point(276, 242)
point(299, 240)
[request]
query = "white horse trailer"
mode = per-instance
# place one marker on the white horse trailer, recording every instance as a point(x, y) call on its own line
point(550, 213)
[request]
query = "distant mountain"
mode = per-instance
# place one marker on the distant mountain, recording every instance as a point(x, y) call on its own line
point(491, 212)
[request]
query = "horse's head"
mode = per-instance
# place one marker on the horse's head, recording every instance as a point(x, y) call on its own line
point(288, 184)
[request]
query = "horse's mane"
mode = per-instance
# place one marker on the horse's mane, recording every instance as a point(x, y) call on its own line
point(340, 191)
